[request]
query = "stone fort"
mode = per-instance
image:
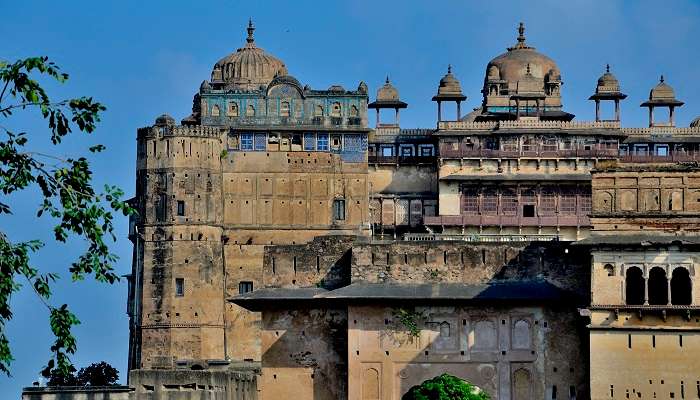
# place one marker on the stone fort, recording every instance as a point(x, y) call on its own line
point(284, 246)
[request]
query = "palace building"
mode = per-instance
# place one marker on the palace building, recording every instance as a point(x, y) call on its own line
point(284, 245)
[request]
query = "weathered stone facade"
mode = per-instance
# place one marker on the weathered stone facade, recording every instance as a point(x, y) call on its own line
point(285, 247)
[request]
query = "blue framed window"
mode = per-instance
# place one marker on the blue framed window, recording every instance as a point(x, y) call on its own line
point(322, 143)
point(246, 141)
point(309, 142)
point(260, 142)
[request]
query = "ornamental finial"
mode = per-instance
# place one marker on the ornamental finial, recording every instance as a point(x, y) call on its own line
point(607, 68)
point(387, 80)
point(521, 33)
point(449, 68)
point(662, 79)
point(251, 29)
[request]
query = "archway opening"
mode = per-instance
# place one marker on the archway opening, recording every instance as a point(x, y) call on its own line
point(658, 286)
point(681, 289)
point(634, 282)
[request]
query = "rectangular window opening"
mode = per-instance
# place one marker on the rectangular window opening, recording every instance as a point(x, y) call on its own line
point(245, 287)
point(180, 208)
point(179, 287)
point(339, 210)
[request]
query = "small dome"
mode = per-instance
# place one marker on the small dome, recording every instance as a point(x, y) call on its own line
point(387, 92)
point(449, 85)
point(493, 73)
point(165, 120)
point(285, 80)
point(512, 66)
point(249, 67)
point(695, 123)
point(205, 86)
point(662, 91)
point(362, 87)
point(336, 89)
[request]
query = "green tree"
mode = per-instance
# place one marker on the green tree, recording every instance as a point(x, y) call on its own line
point(95, 374)
point(445, 387)
point(66, 195)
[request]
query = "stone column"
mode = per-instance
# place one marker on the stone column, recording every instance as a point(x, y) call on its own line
point(597, 110)
point(617, 109)
point(439, 111)
point(459, 110)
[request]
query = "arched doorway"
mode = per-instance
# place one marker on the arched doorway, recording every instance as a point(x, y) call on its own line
point(681, 288)
point(634, 286)
point(658, 286)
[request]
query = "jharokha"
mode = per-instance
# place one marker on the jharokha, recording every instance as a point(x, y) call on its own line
point(284, 248)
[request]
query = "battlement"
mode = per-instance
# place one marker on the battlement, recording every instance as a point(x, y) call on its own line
point(172, 131)
point(527, 124)
point(662, 131)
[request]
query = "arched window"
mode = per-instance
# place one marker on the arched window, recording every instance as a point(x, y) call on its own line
point(681, 289)
point(610, 269)
point(336, 110)
point(318, 111)
point(658, 286)
point(250, 111)
point(354, 112)
point(232, 110)
point(284, 109)
point(634, 290)
point(215, 112)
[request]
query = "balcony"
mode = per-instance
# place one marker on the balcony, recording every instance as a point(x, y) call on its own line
point(507, 220)
point(400, 160)
point(447, 151)
point(672, 157)
point(480, 238)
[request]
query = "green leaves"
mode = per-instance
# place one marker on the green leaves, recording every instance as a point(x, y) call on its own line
point(445, 387)
point(67, 197)
point(409, 319)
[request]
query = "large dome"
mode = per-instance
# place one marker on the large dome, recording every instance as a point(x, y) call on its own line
point(512, 66)
point(250, 67)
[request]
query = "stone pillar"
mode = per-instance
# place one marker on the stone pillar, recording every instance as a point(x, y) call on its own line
point(668, 291)
point(459, 110)
point(377, 124)
point(597, 110)
point(651, 116)
point(617, 109)
point(396, 117)
point(670, 116)
point(439, 111)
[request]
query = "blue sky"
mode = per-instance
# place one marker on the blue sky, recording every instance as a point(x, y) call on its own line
point(145, 58)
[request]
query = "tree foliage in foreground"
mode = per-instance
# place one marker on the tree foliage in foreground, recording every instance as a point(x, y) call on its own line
point(95, 374)
point(66, 195)
point(445, 387)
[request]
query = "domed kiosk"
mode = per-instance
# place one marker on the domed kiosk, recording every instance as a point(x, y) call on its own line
point(522, 82)
point(248, 68)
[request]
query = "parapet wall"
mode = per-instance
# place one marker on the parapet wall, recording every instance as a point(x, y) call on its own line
point(475, 263)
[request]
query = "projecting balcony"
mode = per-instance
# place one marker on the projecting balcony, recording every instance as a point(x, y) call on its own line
point(672, 157)
point(400, 160)
point(507, 220)
point(449, 152)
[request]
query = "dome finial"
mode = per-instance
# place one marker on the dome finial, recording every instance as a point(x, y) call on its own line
point(662, 79)
point(607, 68)
point(449, 68)
point(387, 80)
point(521, 33)
point(251, 29)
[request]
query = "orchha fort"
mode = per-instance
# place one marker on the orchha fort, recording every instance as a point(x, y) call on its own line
point(299, 242)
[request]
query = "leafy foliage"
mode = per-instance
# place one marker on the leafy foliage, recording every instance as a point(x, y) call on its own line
point(409, 319)
point(445, 387)
point(67, 196)
point(96, 374)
